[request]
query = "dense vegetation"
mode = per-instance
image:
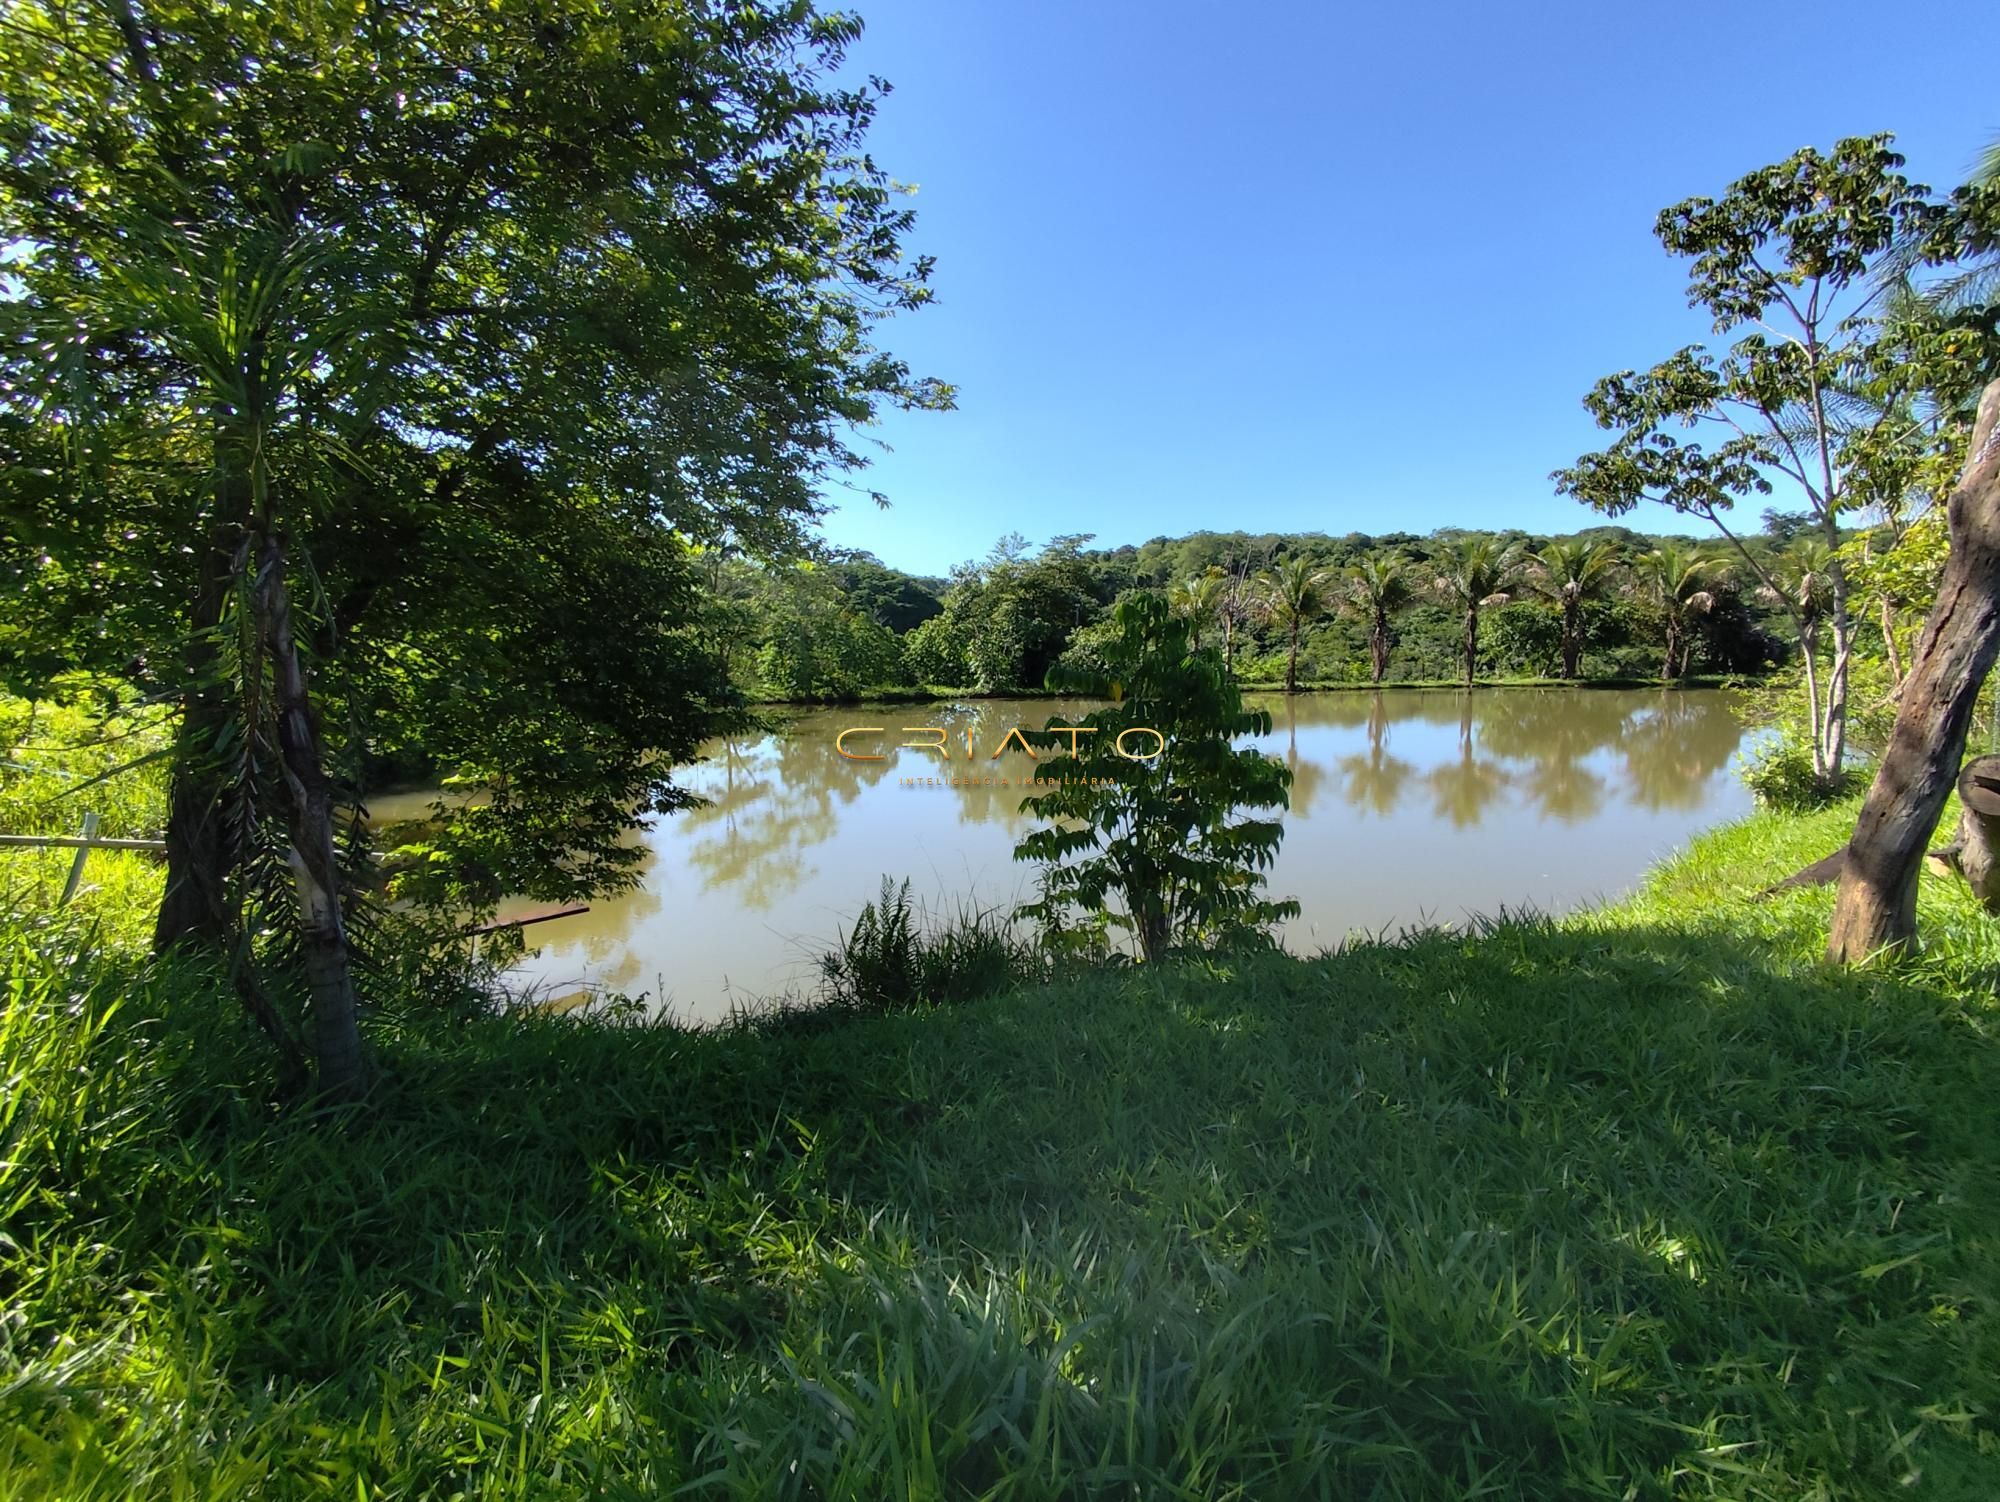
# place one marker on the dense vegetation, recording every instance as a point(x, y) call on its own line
point(852, 626)
point(1646, 1203)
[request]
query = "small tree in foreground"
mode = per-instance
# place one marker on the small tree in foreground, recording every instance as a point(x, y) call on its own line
point(1159, 847)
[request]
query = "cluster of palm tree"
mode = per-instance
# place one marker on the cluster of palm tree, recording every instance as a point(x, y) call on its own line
point(1680, 579)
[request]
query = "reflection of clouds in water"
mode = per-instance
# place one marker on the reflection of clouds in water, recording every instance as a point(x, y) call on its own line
point(1405, 804)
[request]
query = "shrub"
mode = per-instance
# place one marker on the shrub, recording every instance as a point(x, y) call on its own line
point(896, 955)
point(1779, 774)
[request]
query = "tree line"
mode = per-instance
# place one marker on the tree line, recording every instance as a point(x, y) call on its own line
point(1293, 610)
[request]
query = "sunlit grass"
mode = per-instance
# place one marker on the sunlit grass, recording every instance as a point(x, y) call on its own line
point(1646, 1204)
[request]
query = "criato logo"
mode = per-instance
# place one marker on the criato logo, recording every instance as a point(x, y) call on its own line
point(1138, 750)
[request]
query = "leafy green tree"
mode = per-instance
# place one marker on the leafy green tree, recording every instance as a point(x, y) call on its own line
point(1158, 847)
point(1016, 612)
point(1569, 574)
point(935, 654)
point(1819, 392)
point(1292, 596)
point(1377, 588)
point(1476, 572)
point(818, 645)
point(1676, 579)
point(892, 599)
point(307, 312)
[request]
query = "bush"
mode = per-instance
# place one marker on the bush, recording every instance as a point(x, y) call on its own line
point(897, 956)
point(1779, 774)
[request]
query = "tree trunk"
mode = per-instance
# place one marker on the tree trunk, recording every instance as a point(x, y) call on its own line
point(309, 809)
point(1877, 907)
point(1976, 853)
point(1471, 643)
point(1572, 643)
point(1378, 647)
point(1673, 646)
point(1889, 644)
point(194, 905)
point(1292, 663)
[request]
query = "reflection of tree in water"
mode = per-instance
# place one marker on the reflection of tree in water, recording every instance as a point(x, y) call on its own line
point(1553, 732)
point(1307, 775)
point(1675, 745)
point(777, 797)
point(1462, 791)
point(1374, 783)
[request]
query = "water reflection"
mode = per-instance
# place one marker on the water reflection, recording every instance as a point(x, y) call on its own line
point(1405, 805)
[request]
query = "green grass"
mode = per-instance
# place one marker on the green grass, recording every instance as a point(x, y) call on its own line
point(1643, 1205)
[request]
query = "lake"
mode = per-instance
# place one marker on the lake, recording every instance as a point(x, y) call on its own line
point(1408, 806)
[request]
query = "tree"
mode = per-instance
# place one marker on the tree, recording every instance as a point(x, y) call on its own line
point(1375, 589)
point(1292, 596)
point(1157, 846)
point(1198, 600)
point(1475, 573)
point(1675, 578)
point(1877, 903)
point(300, 301)
point(1819, 392)
point(1016, 612)
point(1568, 574)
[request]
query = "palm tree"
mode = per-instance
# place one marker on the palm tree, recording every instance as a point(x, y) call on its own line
point(1568, 574)
point(1377, 587)
point(1198, 600)
point(1293, 595)
point(1474, 574)
point(1676, 577)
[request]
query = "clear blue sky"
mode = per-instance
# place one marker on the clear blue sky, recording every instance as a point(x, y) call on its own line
point(1294, 266)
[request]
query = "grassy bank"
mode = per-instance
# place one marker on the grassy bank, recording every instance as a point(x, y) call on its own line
point(1641, 1205)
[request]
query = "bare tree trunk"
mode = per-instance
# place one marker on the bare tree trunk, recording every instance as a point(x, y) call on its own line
point(1378, 647)
point(1673, 646)
point(1292, 662)
point(1471, 643)
point(1877, 907)
point(1572, 642)
point(1889, 644)
point(329, 979)
point(1807, 639)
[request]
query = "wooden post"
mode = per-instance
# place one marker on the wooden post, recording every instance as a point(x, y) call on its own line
point(76, 866)
point(1976, 853)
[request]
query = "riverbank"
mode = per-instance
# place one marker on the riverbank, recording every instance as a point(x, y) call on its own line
point(1643, 1203)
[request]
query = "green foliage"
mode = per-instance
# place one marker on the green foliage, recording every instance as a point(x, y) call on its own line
point(1850, 398)
point(1156, 847)
point(61, 757)
point(1647, 1203)
point(895, 955)
point(936, 653)
point(490, 315)
point(1779, 773)
point(1015, 613)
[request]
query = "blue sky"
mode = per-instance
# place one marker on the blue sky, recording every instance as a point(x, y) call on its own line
point(1328, 267)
